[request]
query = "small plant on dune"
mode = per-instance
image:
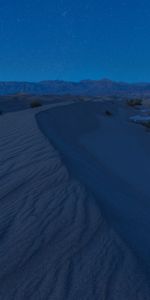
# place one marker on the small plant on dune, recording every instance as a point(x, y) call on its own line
point(146, 124)
point(1, 112)
point(134, 102)
point(108, 113)
point(35, 104)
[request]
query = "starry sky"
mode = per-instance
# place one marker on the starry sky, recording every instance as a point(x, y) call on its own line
point(74, 39)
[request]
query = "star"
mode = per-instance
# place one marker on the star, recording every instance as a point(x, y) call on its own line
point(65, 13)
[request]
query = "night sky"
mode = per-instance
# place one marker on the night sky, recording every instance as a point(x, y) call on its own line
point(75, 39)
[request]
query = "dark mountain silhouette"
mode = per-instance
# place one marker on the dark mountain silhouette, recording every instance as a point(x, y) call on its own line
point(85, 87)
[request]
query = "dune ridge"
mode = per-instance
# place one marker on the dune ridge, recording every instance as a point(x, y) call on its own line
point(55, 244)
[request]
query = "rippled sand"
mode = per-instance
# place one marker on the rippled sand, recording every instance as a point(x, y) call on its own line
point(54, 242)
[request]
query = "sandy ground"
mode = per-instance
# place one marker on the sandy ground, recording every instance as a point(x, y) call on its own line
point(54, 242)
point(110, 155)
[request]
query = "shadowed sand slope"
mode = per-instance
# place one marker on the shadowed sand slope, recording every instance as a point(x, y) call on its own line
point(54, 243)
point(110, 155)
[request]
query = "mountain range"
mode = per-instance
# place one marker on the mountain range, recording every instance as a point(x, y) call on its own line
point(104, 87)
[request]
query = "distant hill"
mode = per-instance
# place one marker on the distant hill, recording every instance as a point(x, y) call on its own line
point(104, 87)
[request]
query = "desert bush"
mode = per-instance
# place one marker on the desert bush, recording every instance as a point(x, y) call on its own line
point(108, 113)
point(134, 102)
point(35, 104)
point(146, 124)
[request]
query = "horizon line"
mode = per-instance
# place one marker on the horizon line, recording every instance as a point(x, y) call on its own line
point(74, 81)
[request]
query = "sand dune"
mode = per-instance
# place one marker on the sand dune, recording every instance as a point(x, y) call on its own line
point(110, 155)
point(54, 242)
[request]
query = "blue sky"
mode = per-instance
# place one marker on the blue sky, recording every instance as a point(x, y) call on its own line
point(74, 40)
